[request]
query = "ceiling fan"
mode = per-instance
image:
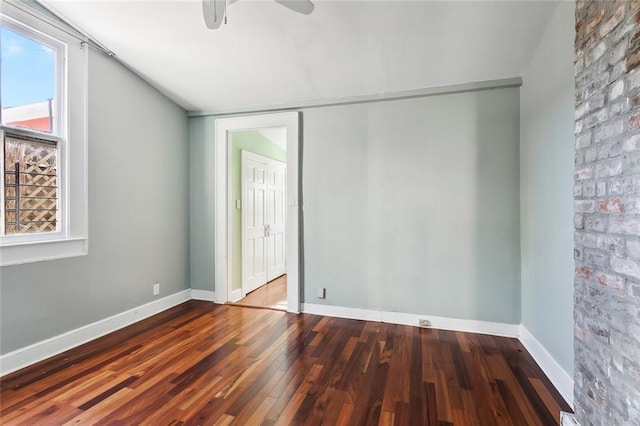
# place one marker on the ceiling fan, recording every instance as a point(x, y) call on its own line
point(214, 11)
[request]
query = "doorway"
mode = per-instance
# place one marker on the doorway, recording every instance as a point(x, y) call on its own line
point(257, 183)
point(225, 290)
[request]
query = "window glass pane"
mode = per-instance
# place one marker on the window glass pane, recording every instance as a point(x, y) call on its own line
point(27, 82)
point(31, 186)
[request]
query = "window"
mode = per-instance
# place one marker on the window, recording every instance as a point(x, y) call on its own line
point(30, 185)
point(43, 136)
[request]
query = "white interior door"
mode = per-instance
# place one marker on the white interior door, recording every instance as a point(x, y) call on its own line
point(254, 188)
point(275, 220)
point(263, 220)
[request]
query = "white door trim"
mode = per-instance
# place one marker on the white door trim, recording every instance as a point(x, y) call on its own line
point(290, 121)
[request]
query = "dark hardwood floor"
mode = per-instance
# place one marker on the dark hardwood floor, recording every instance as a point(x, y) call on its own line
point(201, 364)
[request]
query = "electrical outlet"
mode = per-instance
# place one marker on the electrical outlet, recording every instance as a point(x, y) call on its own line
point(424, 322)
point(156, 289)
point(320, 292)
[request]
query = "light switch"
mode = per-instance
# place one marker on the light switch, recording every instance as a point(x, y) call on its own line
point(238, 204)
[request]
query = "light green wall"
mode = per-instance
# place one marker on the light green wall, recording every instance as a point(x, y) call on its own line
point(138, 217)
point(413, 205)
point(547, 155)
point(255, 142)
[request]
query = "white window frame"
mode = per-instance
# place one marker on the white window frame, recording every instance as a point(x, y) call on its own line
point(70, 134)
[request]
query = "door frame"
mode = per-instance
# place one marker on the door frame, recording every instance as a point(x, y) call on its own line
point(222, 261)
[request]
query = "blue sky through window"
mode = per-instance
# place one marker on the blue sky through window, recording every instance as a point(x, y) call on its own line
point(27, 70)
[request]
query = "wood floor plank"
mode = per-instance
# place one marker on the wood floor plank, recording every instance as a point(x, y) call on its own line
point(204, 364)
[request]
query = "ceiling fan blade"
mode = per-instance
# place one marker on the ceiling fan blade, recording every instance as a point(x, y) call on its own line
point(301, 6)
point(213, 12)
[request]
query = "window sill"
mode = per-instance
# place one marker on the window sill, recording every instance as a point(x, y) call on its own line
point(17, 254)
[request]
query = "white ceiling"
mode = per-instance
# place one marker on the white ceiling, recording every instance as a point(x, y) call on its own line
point(268, 55)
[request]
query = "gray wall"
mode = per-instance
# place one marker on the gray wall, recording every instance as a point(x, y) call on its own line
point(413, 205)
point(138, 217)
point(202, 202)
point(546, 178)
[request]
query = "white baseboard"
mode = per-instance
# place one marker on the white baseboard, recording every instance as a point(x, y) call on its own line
point(443, 323)
point(31, 354)
point(206, 295)
point(236, 295)
point(558, 376)
point(342, 312)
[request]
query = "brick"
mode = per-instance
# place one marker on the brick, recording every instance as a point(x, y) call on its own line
point(584, 206)
point(586, 172)
point(595, 223)
point(596, 258)
point(616, 186)
point(594, 22)
point(586, 239)
point(601, 189)
point(595, 81)
point(613, 245)
point(616, 90)
point(583, 271)
point(589, 189)
point(633, 249)
point(618, 53)
point(632, 164)
point(581, 110)
point(632, 185)
point(632, 143)
point(597, 52)
point(619, 108)
point(609, 168)
point(610, 205)
point(615, 282)
point(624, 225)
point(633, 290)
point(608, 131)
point(626, 346)
point(598, 329)
point(634, 39)
point(609, 149)
point(596, 118)
point(596, 101)
point(633, 80)
point(612, 22)
point(633, 59)
point(632, 205)
point(634, 121)
point(618, 69)
point(626, 266)
point(607, 241)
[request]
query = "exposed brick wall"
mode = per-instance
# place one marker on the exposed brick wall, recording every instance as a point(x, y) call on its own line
point(607, 213)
